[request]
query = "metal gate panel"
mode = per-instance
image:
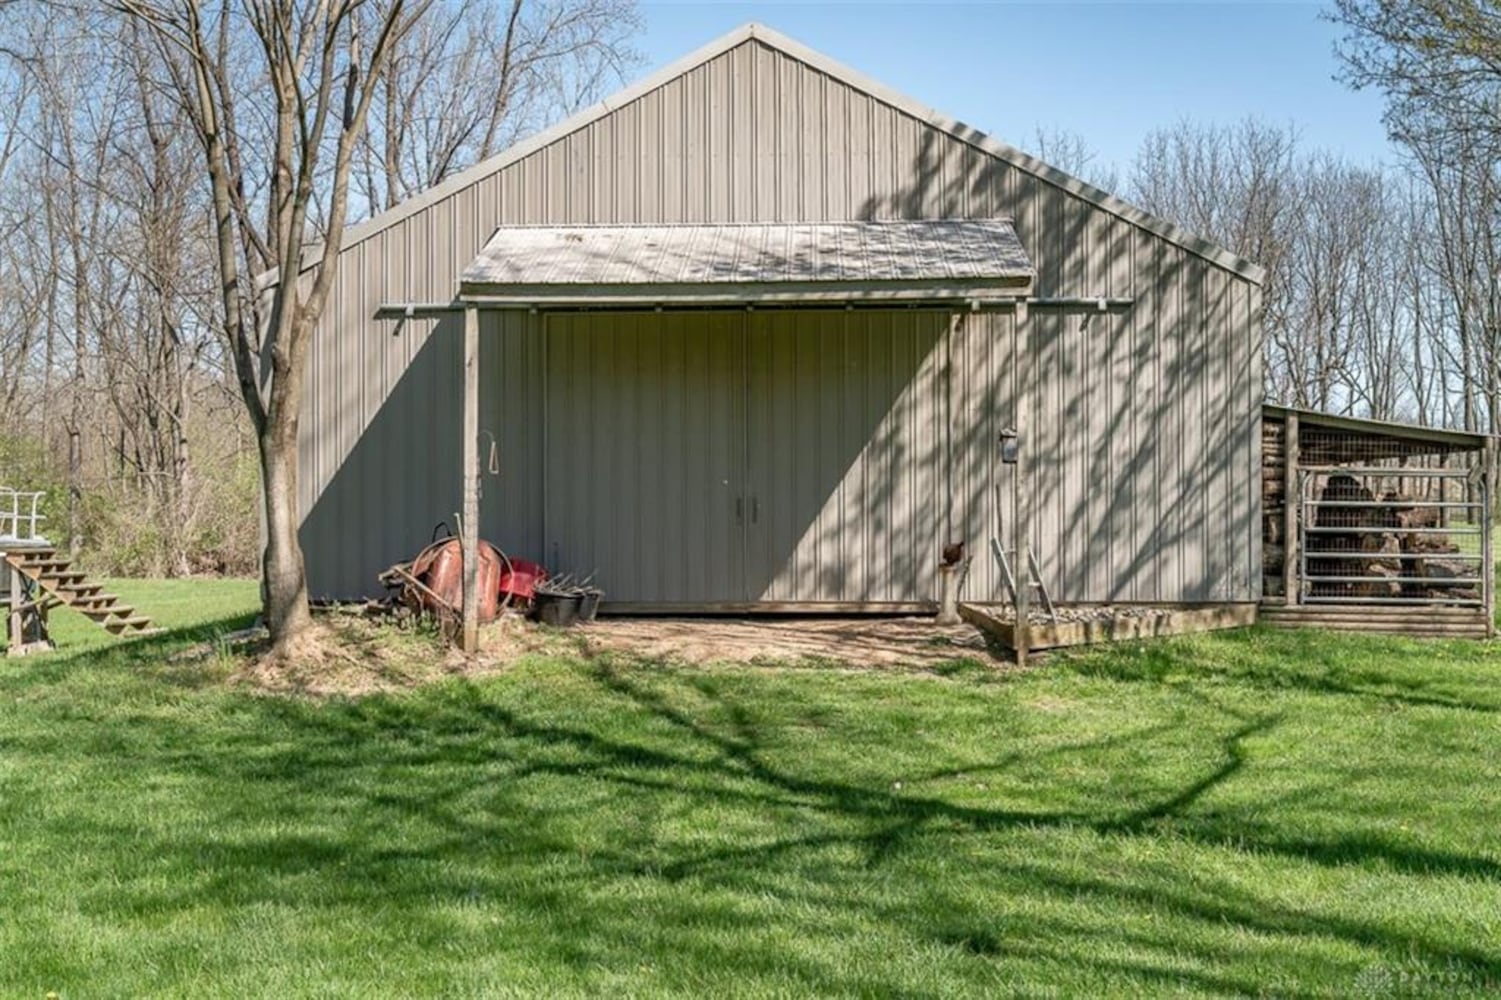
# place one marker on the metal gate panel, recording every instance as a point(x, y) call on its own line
point(1391, 535)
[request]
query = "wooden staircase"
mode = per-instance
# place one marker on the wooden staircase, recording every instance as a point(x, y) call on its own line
point(64, 586)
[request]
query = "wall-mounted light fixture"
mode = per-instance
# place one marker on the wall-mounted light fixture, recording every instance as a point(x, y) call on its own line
point(1008, 446)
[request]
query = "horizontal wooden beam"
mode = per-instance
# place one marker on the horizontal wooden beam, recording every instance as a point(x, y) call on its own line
point(1173, 620)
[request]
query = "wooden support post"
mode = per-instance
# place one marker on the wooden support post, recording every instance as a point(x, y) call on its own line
point(1021, 514)
point(14, 626)
point(1487, 536)
point(955, 330)
point(1292, 502)
point(469, 640)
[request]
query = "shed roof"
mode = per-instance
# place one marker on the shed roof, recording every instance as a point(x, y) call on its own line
point(887, 260)
point(1415, 435)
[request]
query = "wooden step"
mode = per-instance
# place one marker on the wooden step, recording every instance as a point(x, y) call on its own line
point(65, 578)
point(31, 552)
point(62, 585)
point(45, 566)
point(93, 600)
point(110, 611)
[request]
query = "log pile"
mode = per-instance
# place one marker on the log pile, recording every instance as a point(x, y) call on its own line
point(1273, 506)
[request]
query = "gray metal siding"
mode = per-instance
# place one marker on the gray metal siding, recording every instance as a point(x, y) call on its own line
point(844, 441)
point(727, 457)
point(1145, 421)
point(645, 453)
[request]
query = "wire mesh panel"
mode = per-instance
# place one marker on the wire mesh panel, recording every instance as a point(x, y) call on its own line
point(1392, 528)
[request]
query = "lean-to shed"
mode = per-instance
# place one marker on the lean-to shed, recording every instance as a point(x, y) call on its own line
point(747, 336)
point(1373, 526)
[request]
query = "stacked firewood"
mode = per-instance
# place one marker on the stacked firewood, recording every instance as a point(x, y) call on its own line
point(1273, 507)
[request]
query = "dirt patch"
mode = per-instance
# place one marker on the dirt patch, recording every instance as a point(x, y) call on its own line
point(348, 655)
point(860, 642)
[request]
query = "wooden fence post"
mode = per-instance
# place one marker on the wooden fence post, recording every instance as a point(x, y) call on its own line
point(1292, 503)
point(1487, 536)
point(14, 631)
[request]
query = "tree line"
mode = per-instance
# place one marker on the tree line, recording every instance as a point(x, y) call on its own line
point(119, 389)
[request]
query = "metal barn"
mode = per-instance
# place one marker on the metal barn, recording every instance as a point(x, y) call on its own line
point(746, 335)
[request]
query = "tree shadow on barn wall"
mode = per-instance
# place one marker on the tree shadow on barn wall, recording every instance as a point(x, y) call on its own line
point(839, 464)
point(1144, 458)
point(404, 475)
point(401, 476)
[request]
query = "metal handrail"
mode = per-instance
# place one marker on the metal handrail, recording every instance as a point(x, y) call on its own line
point(19, 522)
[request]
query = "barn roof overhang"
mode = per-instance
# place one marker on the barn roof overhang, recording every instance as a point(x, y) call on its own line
point(953, 261)
point(1415, 436)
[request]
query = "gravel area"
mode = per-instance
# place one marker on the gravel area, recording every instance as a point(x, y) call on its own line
point(1099, 613)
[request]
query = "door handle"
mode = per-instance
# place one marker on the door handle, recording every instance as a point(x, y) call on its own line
point(755, 510)
point(740, 510)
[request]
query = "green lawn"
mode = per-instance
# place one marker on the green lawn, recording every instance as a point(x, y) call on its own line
point(1279, 814)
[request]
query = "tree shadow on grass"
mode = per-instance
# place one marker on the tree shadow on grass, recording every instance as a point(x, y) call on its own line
point(467, 792)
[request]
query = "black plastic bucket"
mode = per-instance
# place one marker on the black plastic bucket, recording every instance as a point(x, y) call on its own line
point(561, 610)
point(589, 604)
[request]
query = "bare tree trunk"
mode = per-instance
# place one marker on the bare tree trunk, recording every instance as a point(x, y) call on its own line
point(320, 79)
point(283, 576)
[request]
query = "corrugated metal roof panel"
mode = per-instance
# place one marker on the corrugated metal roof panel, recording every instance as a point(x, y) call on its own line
point(957, 253)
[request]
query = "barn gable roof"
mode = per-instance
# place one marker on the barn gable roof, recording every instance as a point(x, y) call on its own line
point(1043, 171)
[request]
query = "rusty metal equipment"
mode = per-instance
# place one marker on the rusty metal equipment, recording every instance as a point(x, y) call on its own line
point(432, 583)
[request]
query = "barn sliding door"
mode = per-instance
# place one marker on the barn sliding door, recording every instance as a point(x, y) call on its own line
point(845, 468)
point(728, 457)
point(645, 454)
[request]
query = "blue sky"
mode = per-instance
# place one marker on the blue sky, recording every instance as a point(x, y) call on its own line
point(1109, 72)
